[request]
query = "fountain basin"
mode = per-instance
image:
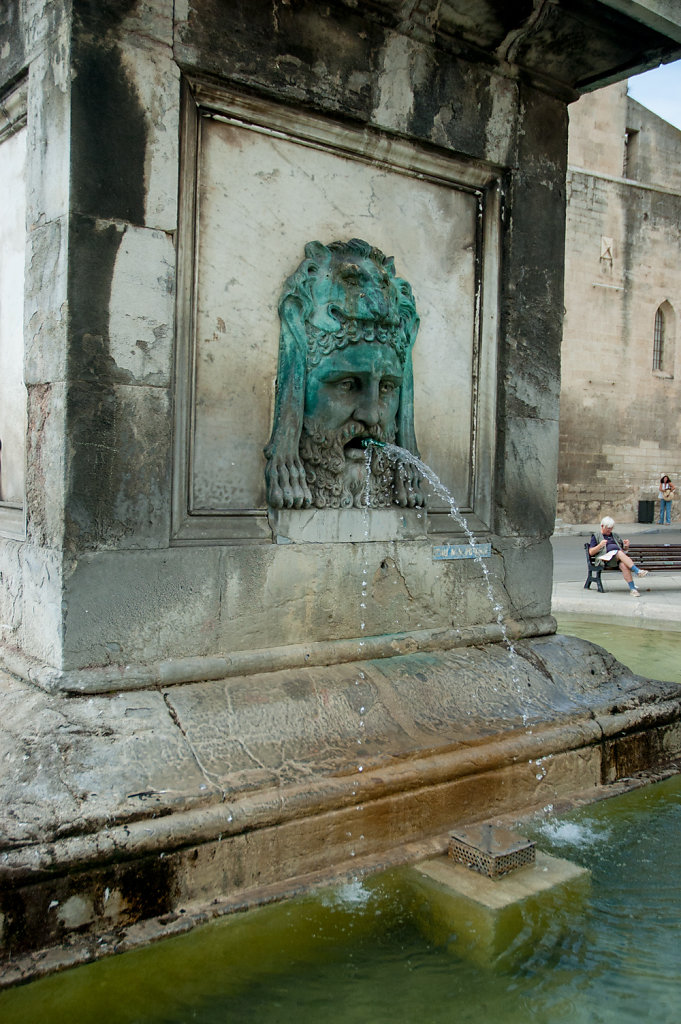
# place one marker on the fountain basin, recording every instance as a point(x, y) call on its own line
point(357, 951)
point(133, 814)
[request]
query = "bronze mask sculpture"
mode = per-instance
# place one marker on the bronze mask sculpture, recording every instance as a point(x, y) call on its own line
point(344, 378)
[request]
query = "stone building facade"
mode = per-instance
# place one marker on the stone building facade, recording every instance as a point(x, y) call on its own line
point(620, 412)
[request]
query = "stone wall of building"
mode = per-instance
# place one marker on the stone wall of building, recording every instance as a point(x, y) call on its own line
point(135, 548)
point(620, 418)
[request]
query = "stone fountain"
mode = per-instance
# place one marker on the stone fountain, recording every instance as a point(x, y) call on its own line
point(228, 674)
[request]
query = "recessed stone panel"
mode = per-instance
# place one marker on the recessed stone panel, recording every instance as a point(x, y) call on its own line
point(263, 191)
point(12, 246)
point(263, 198)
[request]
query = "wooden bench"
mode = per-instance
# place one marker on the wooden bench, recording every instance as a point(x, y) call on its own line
point(653, 557)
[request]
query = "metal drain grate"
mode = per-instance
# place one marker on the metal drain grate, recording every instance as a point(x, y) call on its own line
point(490, 850)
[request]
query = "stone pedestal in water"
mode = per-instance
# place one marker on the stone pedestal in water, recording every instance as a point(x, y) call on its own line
point(225, 676)
point(494, 923)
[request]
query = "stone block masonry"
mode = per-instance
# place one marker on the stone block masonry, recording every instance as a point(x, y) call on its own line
point(189, 665)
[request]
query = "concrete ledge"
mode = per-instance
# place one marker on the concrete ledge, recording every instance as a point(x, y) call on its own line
point(332, 526)
point(658, 607)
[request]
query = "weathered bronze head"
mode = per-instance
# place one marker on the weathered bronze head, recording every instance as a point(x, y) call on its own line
point(345, 377)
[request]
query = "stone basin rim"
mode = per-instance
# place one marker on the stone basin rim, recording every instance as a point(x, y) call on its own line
point(251, 812)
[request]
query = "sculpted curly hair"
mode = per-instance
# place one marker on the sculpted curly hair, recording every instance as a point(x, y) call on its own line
point(397, 329)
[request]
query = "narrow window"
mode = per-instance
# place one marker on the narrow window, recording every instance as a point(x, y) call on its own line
point(630, 153)
point(658, 340)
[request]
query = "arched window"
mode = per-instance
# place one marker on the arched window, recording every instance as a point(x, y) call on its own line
point(658, 340)
point(664, 339)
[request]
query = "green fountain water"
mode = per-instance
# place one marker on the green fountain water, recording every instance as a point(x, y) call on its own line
point(649, 652)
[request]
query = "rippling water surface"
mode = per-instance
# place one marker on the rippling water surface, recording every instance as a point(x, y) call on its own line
point(655, 653)
point(353, 955)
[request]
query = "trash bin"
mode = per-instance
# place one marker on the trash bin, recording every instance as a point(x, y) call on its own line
point(646, 511)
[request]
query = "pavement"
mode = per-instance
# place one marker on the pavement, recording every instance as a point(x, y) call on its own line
point(658, 607)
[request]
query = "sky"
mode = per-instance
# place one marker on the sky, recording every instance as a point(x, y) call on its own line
point(660, 91)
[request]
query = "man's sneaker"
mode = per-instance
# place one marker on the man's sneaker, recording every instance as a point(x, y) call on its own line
point(634, 592)
point(643, 572)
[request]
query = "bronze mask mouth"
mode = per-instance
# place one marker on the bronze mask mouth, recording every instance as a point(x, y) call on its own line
point(356, 447)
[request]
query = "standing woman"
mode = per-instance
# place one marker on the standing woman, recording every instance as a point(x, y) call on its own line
point(666, 491)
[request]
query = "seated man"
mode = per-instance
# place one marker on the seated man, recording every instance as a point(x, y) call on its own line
point(607, 548)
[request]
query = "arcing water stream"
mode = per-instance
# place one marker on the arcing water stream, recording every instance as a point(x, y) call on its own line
point(403, 455)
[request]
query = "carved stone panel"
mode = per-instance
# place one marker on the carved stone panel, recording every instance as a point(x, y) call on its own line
point(266, 184)
point(12, 246)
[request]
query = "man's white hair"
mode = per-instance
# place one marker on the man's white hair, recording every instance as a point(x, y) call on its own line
point(608, 521)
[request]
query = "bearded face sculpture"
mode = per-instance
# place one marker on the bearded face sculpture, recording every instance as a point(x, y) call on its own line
point(344, 378)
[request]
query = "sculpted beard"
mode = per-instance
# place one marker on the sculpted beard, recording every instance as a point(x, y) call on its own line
point(338, 482)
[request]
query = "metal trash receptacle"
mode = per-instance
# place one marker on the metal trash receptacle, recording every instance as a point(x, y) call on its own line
point(646, 511)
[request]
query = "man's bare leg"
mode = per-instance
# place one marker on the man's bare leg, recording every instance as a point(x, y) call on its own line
point(625, 568)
